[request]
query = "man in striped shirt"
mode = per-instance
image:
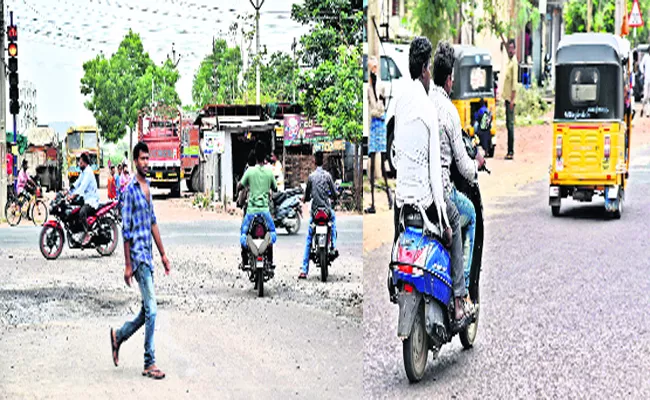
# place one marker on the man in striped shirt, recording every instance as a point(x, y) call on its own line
point(140, 229)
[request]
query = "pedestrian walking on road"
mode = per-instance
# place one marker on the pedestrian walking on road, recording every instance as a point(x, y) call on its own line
point(509, 93)
point(139, 227)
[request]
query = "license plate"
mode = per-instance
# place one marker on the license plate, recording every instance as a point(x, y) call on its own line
point(554, 191)
point(321, 241)
point(260, 265)
point(321, 230)
point(158, 175)
point(612, 193)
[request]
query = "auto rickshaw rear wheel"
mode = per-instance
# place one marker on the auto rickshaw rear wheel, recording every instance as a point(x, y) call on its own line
point(555, 210)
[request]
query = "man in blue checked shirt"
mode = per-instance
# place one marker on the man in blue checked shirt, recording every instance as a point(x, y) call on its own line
point(140, 229)
point(85, 187)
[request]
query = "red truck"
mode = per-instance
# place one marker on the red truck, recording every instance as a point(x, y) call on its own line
point(159, 129)
point(190, 155)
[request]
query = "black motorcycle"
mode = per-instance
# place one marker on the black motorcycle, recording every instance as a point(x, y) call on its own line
point(287, 210)
point(321, 243)
point(67, 223)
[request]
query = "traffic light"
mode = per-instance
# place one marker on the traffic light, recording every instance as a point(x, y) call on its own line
point(12, 49)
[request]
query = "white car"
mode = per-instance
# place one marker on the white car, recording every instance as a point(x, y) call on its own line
point(394, 70)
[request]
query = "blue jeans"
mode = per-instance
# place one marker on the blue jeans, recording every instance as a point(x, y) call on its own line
point(147, 316)
point(467, 221)
point(248, 218)
point(310, 235)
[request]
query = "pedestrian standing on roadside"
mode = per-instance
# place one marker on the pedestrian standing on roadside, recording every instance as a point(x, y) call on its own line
point(112, 190)
point(509, 93)
point(139, 227)
point(645, 70)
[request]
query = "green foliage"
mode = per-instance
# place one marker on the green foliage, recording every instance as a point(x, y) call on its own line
point(217, 79)
point(498, 22)
point(278, 79)
point(530, 106)
point(337, 107)
point(121, 85)
point(433, 19)
point(334, 23)
point(603, 18)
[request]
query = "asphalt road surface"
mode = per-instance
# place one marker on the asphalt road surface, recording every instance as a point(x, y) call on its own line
point(214, 337)
point(564, 307)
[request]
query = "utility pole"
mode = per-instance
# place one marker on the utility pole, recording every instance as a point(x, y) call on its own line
point(293, 73)
point(3, 114)
point(257, 5)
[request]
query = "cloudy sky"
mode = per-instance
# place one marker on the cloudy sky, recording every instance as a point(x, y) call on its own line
point(55, 37)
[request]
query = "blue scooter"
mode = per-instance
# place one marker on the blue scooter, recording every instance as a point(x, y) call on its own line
point(419, 281)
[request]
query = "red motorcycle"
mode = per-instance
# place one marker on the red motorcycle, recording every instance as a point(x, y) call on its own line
point(102, 226)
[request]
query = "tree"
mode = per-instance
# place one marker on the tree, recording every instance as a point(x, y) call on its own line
point(332, 85)
point(217, 79)
point(603, 17)
point(502, 24)
point(278, 79)
point(120, 86)
point(334, 22)
point(433, 18)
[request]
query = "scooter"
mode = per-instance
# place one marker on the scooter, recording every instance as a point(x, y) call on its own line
point(287, 210)
point(419, 281)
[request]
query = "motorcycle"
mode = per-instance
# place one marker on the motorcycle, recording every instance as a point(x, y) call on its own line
point(419, 281)
point(321, 243)
point(258, 240)
point(67, 222)
point(287, 210)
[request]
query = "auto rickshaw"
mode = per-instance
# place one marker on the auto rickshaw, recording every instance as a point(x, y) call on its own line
point(592, 126)
point(473, 81)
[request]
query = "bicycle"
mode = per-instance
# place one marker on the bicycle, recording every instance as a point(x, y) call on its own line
point(36, 210)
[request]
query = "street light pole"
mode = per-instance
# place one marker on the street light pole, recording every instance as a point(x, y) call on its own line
point(257, 5)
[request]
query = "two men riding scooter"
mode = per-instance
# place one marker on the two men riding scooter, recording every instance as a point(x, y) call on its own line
point(428, 140)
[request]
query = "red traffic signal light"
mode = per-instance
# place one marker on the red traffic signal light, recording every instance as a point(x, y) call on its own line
point(12, 49)
point(12, 33)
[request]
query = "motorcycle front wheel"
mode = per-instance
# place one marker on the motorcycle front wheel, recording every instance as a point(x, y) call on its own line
point(51, 242)
point(415, 349)
point(106, 250)
point(293, 229)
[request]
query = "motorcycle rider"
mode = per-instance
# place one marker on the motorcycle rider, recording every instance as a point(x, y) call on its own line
point(418, 162)
point(85, 187)
point(260, 182)
point(320, 187)
point(452, 147)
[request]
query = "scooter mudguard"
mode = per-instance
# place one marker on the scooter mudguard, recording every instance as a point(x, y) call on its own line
point(408, 307)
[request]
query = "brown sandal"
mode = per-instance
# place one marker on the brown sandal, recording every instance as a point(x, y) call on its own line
point(115, 347)
point(153, 373)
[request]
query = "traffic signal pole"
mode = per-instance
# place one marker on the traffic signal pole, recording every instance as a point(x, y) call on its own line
point(3, 115)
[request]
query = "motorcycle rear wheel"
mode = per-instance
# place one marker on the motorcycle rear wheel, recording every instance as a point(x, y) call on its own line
point(323, 264)
point(415, 349)
point(468, 335)
point(260, 283)
point(51, 233)
point(106, 250)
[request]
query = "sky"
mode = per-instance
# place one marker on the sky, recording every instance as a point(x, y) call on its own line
point(55, 38)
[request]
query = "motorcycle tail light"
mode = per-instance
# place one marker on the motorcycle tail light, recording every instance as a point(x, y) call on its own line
point(407, 269)
point(260, 259)
point(408, 288)
point(608, 146)
point(321, 216)
point(558, 146)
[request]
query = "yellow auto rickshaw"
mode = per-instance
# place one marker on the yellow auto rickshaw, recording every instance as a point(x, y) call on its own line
point(473, 82)
point(592, 125)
